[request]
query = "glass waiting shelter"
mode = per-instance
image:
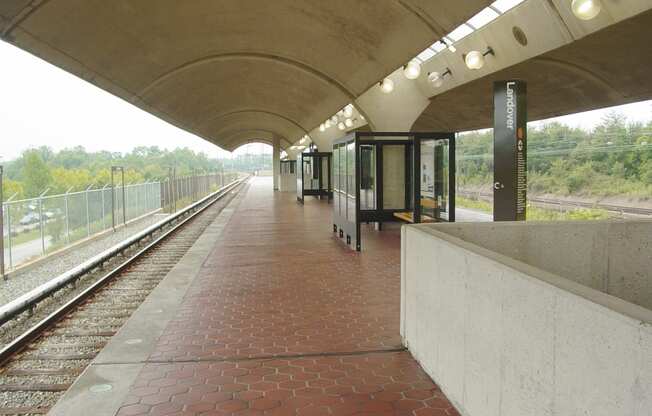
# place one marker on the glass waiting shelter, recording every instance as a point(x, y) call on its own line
point(383, 177)
point(288, 167)
point(314, 175)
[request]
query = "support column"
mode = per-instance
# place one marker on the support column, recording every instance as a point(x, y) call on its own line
point(276, 161)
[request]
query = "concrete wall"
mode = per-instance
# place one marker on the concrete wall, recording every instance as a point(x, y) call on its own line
point(614, 257)
point(502, 337)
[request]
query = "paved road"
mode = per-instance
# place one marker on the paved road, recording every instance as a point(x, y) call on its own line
point(23, 252)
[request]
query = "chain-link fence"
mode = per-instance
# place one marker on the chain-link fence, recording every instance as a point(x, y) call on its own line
point(36, 227)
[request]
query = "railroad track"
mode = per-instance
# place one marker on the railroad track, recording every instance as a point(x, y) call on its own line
point(40, 365)
point(547, 202)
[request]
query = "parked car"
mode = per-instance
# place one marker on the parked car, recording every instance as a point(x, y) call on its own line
point(30, 218)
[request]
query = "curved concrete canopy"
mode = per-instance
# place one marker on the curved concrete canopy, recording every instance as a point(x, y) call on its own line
point(191, 61)
point(242, 137)
point(609, 67)
point(228, 125)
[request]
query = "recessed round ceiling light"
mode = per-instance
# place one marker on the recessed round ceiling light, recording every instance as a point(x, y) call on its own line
point(586, 9)
point(341, 126)
point(474, 60)
point(348, 111)
point(387, 85)
point(334, 120)
point(322, 127)
point(348, 122)
point(327, 124)
point(412, 70)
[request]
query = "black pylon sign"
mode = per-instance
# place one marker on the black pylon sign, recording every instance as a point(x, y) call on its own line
point(510, 150)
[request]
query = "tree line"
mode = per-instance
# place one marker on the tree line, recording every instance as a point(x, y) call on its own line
point(74, 168)
point(614, 158)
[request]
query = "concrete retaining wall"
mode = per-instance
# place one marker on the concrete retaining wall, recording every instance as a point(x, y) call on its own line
point(502, 337)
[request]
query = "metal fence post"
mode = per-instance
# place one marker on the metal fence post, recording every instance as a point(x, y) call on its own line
point(124, 205)
point(172, 173)
point(124, 199)
point(88, 213)
point(65, 203)
point(9, 232)
point(2, 226)
point(104, 208)
point(112, 199)
point(40, 219)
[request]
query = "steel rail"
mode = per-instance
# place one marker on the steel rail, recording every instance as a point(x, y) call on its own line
point(570, 203)
point(29, 300)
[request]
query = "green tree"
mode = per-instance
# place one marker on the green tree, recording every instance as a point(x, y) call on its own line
point(10, 187)
point(36, 173)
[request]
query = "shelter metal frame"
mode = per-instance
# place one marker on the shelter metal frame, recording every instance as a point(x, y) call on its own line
point(348, 214)
point(288, 167)
point(325, 183)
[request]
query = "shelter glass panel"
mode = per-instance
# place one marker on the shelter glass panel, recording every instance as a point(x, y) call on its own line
point(350, 175)
point(394, 176)
point(367, 177)
point(434, 179)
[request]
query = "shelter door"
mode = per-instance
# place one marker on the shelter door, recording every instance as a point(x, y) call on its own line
point(434, 202)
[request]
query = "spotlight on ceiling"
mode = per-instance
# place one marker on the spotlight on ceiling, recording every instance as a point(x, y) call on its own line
point(348, 111)
point(412, 70)
point(386, 85)
point(586, 9)
point(322, 127)
point(334, 120)
point(341, 126)
point(437, 79)
point(348, 122)
point(327, 124)
point(475, 59)
point(449, 45)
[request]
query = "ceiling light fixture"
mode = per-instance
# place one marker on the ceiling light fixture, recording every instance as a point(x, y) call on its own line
point(586, 9)
point(449, 45)
point(475, 59)
point(386, 85)
point(412, 70)
point(322, 127)
point(348, 122)
point(341, 126)
point(348, 111)
point(437, 79)
point(334, 120)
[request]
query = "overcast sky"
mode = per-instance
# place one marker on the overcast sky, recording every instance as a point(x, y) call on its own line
point(43, 105)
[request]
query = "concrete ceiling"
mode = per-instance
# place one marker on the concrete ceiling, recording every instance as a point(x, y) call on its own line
point(609, 67)
point(232, 70)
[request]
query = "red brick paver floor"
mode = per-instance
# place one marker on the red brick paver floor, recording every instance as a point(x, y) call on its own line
point(285, 320)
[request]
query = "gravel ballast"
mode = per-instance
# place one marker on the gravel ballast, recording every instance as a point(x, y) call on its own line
point(21, 282)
